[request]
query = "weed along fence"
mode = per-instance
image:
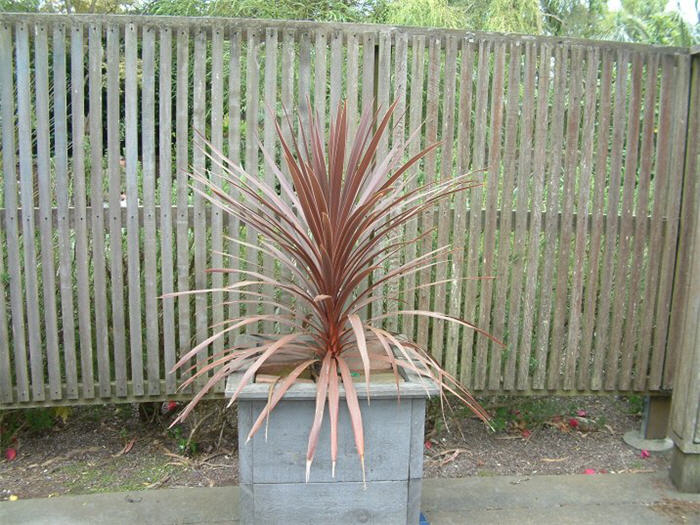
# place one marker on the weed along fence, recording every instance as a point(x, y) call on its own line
point(582, 143)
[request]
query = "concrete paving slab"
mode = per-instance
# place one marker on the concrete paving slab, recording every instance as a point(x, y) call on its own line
point(580, 499)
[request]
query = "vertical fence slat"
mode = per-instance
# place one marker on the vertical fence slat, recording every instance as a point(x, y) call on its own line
point(320, 74)
point(444, 223)
point(217, 219)
point(65, 252)
point(459, 219)
point(97, 207)
point(493, 183)
point(427, 218)
point(505, 227)
point(336, 71)
point(415, 120)
point(662, 357)
point(556, 136)
point(24, 134)
point(537, 206)
point(251, 147)
point(353, 49)
point(602, 335)
point(588, 370)
point(6, 383)
point(303, 90)
point(199, 104)
point(270, 143)
point(234, 154)
point(475, 205)
point(520, 244)
point(577, 277)
point(557, 352)
point(287, 92)
point(150, 241)
point(617, 344)
point(182, 142)
point(118, 323)
point(398, 140)
point(14, 267)
point(132, 205)
point(383, 87)
point(48, 273)
point(641, 234)
point(166, 192)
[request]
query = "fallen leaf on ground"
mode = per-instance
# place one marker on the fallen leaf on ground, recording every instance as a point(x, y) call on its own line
point(126, 448)
point(554, 460)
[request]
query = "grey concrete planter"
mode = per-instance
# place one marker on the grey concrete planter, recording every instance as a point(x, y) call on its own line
point(272, 472)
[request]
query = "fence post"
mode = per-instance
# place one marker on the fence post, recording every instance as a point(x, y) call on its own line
point(685, 311)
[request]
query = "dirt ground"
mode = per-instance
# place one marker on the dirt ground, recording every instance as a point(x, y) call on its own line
point(129, 447)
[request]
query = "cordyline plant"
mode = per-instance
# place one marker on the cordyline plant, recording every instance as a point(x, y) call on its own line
point(338, 217)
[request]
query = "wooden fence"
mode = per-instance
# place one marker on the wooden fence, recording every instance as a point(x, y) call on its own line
point(583, 144)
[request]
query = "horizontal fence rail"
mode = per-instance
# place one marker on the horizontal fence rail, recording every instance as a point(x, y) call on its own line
point(99, 116)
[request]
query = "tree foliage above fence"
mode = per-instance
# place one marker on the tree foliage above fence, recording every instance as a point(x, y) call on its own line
point(580, 145)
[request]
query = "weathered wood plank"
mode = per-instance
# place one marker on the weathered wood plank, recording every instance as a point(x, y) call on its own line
point(663, 357)
point(622, 298)
point(165, 186)
point(65, 252)
point(26, 186)
point(217, 140)
point(182, 134)
point(97, 208)
point(383, 87)
point(520, 244)
point(252, 130)
point(558, 351)
point(132, 225)
point(611, 230)
point(415, 120)
point(586, 163)
point(199, 110)
point(234, 154)
point(303, 89)
point(270, 144)
point(48, 272)
point(427, 218)
point(9, 166)
point(459, 219)
point(507, 204)
point(398, 140)
point(336, 71)
point(352, 84)
point(538, 206)
point(114, 213)
point(592, 371)
point(320, 74)
point(493, 185)
point(475, 203)
point(641, 233)
point(444, 224)
point(556, 133)
point(150, 241)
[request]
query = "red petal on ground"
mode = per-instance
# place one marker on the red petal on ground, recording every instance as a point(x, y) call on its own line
point(10, 454)
point(573, 422)
point(428, 445)
point(644, 454)
point(581, 413)
point(589, 471)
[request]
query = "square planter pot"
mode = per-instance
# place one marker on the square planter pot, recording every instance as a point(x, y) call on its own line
point(272, 472)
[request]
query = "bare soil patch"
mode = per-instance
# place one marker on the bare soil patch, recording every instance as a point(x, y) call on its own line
point(129, 447)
